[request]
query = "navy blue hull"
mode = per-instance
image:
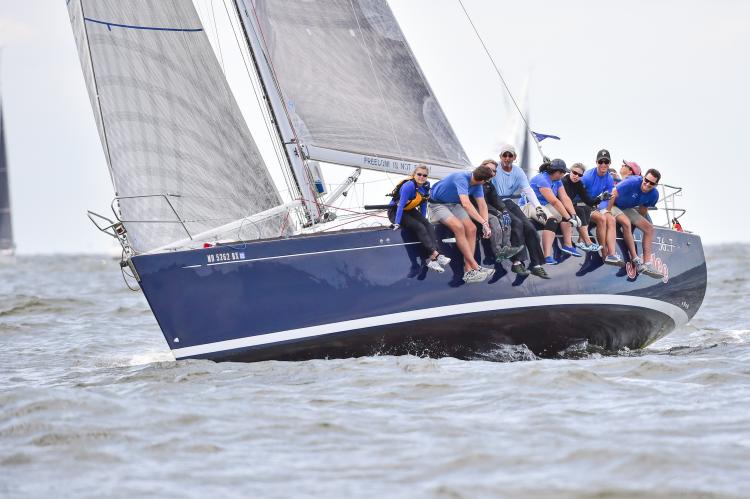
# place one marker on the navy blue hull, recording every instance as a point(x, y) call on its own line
point(365, 292)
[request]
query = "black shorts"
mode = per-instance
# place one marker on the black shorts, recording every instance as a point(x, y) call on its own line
point(584, 213)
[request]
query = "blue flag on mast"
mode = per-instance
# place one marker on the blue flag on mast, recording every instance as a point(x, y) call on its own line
point(541, 136)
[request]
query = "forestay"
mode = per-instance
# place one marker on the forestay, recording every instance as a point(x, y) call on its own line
point(351, 83)
point(170, 127)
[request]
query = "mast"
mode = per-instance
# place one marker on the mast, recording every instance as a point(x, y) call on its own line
point(269, 86)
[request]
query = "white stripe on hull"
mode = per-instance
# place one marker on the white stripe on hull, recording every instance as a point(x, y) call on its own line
point(675, 313)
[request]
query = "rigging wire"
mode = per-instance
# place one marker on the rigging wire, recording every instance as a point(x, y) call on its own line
point(306, 169)
point(291, 186)
point(497, 70)
point(218, 40)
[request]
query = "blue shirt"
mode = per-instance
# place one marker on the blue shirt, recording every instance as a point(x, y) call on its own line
point(543, 180)
point(507, 183)
point(408, 192)
point(630, 195)
point(448, 189)
point(595, 184)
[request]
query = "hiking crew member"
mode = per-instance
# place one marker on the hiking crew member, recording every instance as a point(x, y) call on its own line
point(583, 204)
point(559, 211)
point(409, 209)
point(629, 168)
point(629, 205)
point(450, 205)
point(509, 180)
point(499, 218)
point(599, 183)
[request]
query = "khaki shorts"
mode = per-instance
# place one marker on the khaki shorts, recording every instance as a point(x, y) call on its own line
point(440, 212)
point(550, 211)
point(632, 213)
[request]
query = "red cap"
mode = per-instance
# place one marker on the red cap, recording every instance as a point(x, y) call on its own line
point(633, 167)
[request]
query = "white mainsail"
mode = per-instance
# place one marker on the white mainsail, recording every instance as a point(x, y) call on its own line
point(181, 157)
point(353, 91)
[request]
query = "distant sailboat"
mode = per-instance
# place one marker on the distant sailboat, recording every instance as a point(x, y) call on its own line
point(7, 247)
point(231, 272)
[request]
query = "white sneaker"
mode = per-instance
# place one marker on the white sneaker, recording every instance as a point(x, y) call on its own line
point(443, 260)
point(434, 265)
point(488, 271)
point(472, 276)
point(639, 266)
point(650, 271)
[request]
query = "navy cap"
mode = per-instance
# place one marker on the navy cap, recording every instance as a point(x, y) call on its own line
point(558, 165)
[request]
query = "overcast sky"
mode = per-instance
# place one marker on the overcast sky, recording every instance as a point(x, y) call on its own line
point(663, 83)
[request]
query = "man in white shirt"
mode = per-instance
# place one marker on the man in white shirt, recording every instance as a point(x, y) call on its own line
point(509, 180)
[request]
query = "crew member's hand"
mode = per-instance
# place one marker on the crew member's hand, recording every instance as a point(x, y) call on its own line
point(575, 221)
point(605, 195)
point(396, 226)
point(541, 215)
point(486, 231)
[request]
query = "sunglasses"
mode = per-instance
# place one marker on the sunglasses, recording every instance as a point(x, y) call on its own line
point(508, 155)
point(603, 162)
point(420, 174)
point(577, 174)
point(647, 181)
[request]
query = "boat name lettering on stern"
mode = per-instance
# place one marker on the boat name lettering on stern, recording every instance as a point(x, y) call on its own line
point(665, 244)
point(229, 256)
point(393, 165)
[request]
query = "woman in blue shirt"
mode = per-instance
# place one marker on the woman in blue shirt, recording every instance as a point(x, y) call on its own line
point(557, 206)
point(409, 209)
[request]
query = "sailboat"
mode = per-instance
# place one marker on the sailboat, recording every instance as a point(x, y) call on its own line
point(7, 247)
point(234, 270)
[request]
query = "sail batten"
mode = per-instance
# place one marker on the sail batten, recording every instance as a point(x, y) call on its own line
point(350, 81)
point(168, 122)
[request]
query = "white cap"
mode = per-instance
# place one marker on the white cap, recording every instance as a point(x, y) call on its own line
point(508, 148)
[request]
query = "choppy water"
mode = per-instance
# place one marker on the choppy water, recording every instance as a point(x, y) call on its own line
point(92, 405)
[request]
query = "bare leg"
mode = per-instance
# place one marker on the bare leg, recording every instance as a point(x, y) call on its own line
point(471, 237)
point(611, 242)
point(598, 220)
point(462, 241)
point(583, 233)
point(548, 238)
point(566, 233)
point(627, 234)
point(648, 237)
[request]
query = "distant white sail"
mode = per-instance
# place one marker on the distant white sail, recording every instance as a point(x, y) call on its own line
point(351, 82)
point(6, 228)
point(170, 126)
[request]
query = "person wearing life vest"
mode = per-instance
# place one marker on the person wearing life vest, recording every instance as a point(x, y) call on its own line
point(408, 209)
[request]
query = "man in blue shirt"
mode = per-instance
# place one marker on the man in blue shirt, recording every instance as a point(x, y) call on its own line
point(629, 205)
point(599, 183)
point(450, 205)
point(509, 180)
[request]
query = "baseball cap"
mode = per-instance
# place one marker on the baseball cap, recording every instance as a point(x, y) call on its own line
point(558, 165)
point(603, 154)
point(508, 148)
point(633, 167)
